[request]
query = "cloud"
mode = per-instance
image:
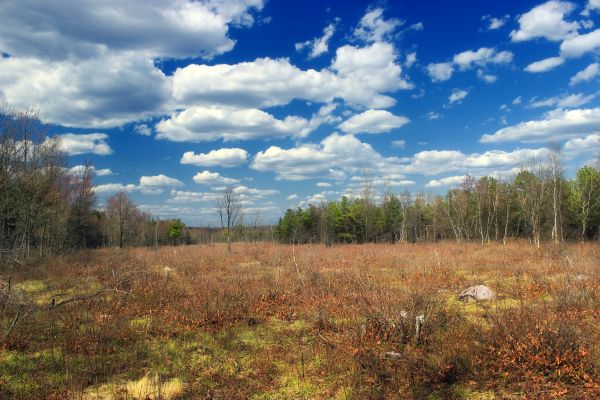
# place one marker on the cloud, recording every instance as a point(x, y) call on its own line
point(80, 169)
point(150, 185)
point(142, 129)
point(434, 162)
point(332, 157)
point(323, 184)
point(94, 143)
point(159, 181)
point(467, 60)
point(208, 123)
point(216, 158)
point(292, 197)
point(495, 23)
point(358, 75)
point(578, 45)
point(545, 65)
point(114, 188)
point(501, 159)
point(546, 21)
point(518, 100)
point(432, 115)
point(564, 101)
point(440, 71)
point(103, 172)
point(411, 59)
point(447, 181)
point(587, 74)
point(86, 28)
point(457, 96)
point(374, 28)
point(213, 178)
point(98, 57)
point(373, 121)
point(318, 46)
point(337, 156)
point(178, 196)
point(399, 144)
point(256, 193)
point(482, 57)
point(589, 144)
point(592, 5)
point(105, 92)
point(486, 77)
point(556, 125)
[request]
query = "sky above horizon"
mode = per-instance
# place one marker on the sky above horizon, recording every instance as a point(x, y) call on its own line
point(290, 102)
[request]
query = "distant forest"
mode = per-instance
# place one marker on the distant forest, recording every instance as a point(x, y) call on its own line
point(46, 209)
point(538, 204)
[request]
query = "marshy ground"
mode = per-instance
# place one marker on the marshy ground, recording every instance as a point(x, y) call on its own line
point(305, 322)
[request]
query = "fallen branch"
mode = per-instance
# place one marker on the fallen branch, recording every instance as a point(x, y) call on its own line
point(327, 342)
point(54, 304)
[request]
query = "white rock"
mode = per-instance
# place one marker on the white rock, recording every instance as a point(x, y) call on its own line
point(477, 292)
point(392, 355)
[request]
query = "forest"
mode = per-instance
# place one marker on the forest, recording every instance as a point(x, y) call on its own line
point(539, 203)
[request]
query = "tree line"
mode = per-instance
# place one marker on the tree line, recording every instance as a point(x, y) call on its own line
point(46, 208)
point(539, 203)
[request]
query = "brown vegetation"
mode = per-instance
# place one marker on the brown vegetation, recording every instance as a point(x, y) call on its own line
point(274, 321)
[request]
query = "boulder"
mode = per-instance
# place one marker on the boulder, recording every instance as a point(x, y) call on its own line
point(477, 292)
point(392, 355)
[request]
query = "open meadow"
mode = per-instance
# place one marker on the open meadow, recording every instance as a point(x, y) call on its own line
point(306, 322)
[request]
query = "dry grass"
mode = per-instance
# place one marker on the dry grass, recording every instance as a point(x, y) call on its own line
point(269, 323)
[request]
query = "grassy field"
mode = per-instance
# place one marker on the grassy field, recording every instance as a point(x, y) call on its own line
point(310, 322)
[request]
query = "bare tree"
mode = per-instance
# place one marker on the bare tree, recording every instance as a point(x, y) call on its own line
point(532, 192)
point(123, 219)
point(229, 208)
point(555, 167)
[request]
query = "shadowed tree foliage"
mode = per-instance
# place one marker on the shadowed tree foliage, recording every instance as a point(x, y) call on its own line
point(44, 209)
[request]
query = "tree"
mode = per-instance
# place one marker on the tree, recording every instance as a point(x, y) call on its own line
point(556, 172)
point(81, 219)
point(531, 185)
point(124, 220)
point(229, 207)
point(586, 191)
point(175, 230)
point(35, 187)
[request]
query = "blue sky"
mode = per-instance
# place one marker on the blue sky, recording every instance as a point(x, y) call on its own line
point(291, 101)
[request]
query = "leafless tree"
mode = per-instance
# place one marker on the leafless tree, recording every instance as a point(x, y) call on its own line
point(229, 208)
point(555, 168)
point(124, 220)
point(532, 185)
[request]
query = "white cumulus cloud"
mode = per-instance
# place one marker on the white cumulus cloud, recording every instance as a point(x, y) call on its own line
point(94, 143)
point(374, 28)
point(373, 121)
point(213, 178)
point(159, 181)
point(228, 157)
point(546, 21)
point(558, 124)
point(208, 123)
